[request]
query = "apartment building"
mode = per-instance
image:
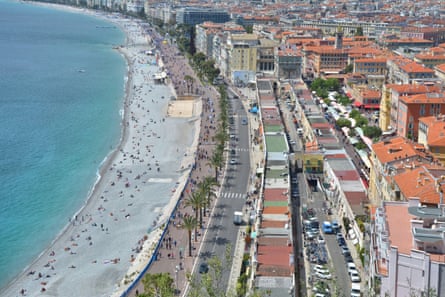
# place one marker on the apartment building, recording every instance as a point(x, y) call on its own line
point(402, 70)
point(288, 63)
point(431, 57)
point(432, 135)
point(388, 158)
point(197, 15)
point(407, 248)
point(390, 101)
point(412, 107)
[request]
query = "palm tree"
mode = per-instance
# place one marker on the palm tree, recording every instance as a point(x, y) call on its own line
point(216, 162)
point(206, 188)
point(158, 285)
point(197, 201)
point(222, 136)
point(189, 223)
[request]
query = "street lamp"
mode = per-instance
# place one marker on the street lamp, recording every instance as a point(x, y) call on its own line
point(176, 279)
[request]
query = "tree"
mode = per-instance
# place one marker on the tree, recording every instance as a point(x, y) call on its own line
point(249, 29)
point(206, 187)
point(189, 223)
point(210, 283)
point(349, 68)
point(361, 121)
point(372, 131)
point(158, 285)
point(196, 200)
point(354, 114)
point(342, 122)
point(216, 161)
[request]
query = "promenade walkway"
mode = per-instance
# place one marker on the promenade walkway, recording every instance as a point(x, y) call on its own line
point(173, 256)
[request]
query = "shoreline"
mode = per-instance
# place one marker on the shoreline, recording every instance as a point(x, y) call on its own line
point(87, 211)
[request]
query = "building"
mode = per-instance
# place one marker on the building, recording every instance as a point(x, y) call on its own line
point(288, 63)
point(408, 249)
point(390, 99)
point(402, 70)
point(389, 158)
point(432, 135)
point(431, 58)
point(411, 108)
point(196, 15)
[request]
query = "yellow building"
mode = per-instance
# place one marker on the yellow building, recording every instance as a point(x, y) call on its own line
point(242, 50)
point(385, 109)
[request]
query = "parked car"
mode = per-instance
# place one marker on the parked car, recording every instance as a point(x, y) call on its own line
point(320, 268)
point(232, 162)
point(351, 267)
point(349, 259)
point(323, 275)
point(320, 239)
point(355, 277)
point(203, 268)
point(344, 250)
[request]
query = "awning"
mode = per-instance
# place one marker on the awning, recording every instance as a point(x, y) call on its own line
point(372, 106)
point(358, 104)
point(353, 140)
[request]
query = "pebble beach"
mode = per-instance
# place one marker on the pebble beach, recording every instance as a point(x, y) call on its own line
point(106, 243)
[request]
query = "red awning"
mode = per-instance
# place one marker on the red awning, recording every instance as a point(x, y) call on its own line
point(358, 104)
point(372, 106)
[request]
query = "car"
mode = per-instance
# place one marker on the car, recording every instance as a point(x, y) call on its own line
point(355, 277)
point(355, 290)
point(320, 239)
point(335, 225)
point(232, 162)
point(320, 268)
point(339, 235)
point(323, 275)
point(244, 121)
point(349, 259)
point(203, 268)
point(293, 142)
point(342, 242)
point(233, 152)
point(294, 180)
point(351, 267)
point(344, 249)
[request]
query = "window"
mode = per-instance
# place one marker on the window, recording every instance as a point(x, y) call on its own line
point(422, 109)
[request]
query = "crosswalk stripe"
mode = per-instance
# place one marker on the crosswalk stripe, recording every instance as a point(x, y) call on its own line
point(232, 195)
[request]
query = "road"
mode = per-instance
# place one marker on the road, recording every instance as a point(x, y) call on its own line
point(315, 200)
point(232, 197)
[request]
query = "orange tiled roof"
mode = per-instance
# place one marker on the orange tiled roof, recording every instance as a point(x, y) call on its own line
point(431, 98)
point(418, 182)
point(393, 149)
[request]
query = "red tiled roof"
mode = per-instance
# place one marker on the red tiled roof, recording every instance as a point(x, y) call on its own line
point(275, 194)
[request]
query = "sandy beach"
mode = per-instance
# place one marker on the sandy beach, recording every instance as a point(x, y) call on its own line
point(109, 240)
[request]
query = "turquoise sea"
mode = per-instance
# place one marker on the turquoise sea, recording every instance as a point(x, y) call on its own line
point(61, 88)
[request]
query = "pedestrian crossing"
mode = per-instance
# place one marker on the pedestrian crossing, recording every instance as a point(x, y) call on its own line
point(232, 195)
